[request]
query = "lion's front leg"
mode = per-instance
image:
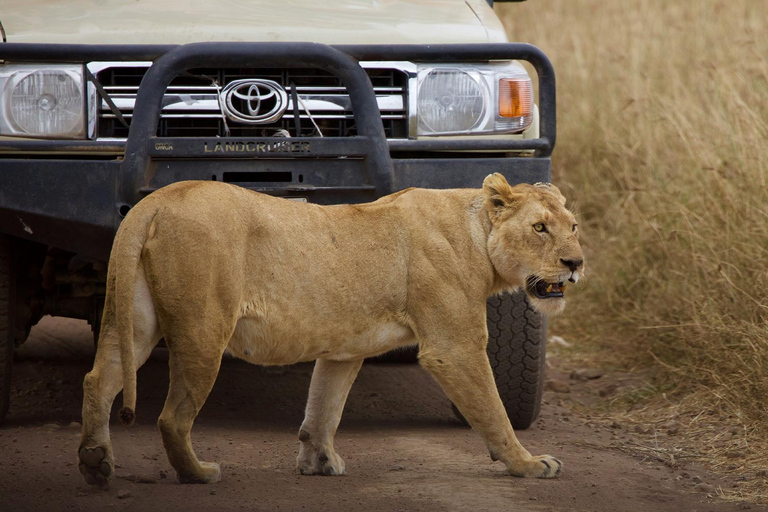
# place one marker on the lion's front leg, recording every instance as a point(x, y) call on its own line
point(461, 367)
point(331, 382)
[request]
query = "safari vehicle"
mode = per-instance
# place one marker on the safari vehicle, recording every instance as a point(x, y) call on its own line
point(103, 103)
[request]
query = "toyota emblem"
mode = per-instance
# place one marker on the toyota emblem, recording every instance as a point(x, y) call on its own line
point(253, 101)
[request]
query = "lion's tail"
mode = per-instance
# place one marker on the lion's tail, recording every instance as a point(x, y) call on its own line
point(123, 265)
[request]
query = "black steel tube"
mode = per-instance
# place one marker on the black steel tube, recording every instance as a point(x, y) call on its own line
point(339, 59)
point(149, 99)
point(415, 53)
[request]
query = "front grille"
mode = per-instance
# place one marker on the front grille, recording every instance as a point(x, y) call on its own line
point(191, 107)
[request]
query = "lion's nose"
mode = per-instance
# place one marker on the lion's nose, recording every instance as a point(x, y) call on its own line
point(572, 264)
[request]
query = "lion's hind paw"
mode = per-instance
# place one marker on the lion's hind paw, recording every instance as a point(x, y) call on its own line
point(320, 463)
point(94, 466)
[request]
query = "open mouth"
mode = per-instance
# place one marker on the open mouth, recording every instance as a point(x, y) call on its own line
point(543, 290)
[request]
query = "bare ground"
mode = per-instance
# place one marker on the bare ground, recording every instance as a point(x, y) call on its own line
point(402, 446)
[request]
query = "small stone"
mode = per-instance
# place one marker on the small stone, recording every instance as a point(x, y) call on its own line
point(696, 479)
point(213, 493)
point(763, 473)
point(558, 387)
point(707, 488)
point(735, 454)
point(163, 474)
point(608, 390)
point(642, 430)
point(52, 426)
point(615, 424)
point(397, 468)
point(672, 431)
point(685, 475)
point(74, 424)
point(142, 479)
point(123, 494)
point(744, 506)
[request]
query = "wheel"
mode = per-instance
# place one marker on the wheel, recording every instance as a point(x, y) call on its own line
point(7, 343)
point(517, 337)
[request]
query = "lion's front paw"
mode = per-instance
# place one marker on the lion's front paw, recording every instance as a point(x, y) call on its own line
point(95, 465)
point(319, 461)
point(544, 466)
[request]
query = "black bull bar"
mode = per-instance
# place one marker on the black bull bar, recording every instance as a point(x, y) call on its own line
point(76, 206)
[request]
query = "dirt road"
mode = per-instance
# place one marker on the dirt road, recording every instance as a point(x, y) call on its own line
point(402, 446)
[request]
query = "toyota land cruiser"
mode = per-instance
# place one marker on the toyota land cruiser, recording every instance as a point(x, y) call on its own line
point(103, 102)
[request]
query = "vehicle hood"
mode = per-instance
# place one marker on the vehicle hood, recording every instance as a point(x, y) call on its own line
point(185, 21)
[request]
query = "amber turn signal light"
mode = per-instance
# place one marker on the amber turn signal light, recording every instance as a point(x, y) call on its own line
point(515, 97)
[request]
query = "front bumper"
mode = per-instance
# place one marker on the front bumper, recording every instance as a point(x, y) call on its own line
point(73, 195)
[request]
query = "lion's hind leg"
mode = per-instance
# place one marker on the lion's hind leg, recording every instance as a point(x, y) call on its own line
point(331, 382)
point(194, 367)
point(100, 387)
point(102, 384)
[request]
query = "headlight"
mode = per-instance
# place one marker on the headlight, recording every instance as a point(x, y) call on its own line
point(458, 99)
point(39, 100)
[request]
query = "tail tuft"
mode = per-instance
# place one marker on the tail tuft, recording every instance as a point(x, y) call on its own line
point(127, 416)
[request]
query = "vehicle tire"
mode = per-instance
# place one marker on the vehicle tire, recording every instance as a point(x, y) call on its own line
point(7, 343)
point(517, 338)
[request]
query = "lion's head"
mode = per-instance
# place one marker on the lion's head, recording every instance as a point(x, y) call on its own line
point(533, 242)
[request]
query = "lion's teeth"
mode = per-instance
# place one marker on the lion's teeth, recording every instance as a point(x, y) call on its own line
point(563, 287)
point(549, 289)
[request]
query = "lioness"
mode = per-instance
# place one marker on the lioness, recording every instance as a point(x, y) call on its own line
point(213, 267)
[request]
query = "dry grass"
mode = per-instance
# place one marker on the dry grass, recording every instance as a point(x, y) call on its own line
point(663, 143)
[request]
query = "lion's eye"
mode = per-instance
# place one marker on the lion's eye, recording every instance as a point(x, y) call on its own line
point(540, 227)
point(573, 228)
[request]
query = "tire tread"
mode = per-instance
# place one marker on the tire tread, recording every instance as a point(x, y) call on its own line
point(516, 351)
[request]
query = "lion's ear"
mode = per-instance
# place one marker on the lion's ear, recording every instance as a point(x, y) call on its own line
point(498, 193)
point(556, 192)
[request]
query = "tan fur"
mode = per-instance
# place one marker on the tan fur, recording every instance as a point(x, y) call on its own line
point(213, 267)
